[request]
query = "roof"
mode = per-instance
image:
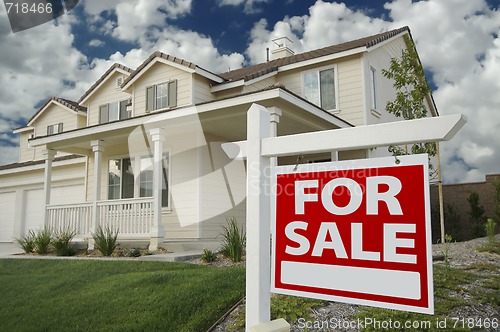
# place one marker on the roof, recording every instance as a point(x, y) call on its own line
point(72, 105)
point(160, 55)
point(114, 67)
point(251, 72)
point(36, 162)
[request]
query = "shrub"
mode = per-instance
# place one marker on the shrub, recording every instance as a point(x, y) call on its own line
point(476, 214)
point(62, 243)
point(105, 240)
point(134, 252)
point(27, 242)
point(208, 256)
point(43, 239)
point(234, 242)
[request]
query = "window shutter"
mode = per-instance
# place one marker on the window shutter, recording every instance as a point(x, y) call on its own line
point(104, 113)
point(49, 130)
point(60, 127)
point(150, 98)
point(172, 93)
point(123, 110)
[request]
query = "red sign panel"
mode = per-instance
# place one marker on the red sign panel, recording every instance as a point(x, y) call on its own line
point(355, 232)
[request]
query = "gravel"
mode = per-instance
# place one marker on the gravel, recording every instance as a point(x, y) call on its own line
point(339, 316)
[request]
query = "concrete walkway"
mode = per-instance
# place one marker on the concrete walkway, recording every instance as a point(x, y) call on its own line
point(10, 250)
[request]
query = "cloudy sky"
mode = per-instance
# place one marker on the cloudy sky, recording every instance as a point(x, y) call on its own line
point(458, 42)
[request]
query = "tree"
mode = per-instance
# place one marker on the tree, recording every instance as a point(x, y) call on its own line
point(411, 87)
point(476, 214)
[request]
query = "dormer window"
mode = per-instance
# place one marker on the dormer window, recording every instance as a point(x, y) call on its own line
point(55, 128)
point(161, 96)
point(320, 88)
point(113, 111)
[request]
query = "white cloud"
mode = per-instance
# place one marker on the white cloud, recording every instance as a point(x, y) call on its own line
point(96, 43)
point(249, 6)
point(9, 154)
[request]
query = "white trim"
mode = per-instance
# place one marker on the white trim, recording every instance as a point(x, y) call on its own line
point(104, 80)
point(322, 59)
point(242, 82)
point(382, 43)
point(23, 129)
point(227, 86)
point(192, 110)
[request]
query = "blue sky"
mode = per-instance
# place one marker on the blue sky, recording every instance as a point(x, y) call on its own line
point(457, 40)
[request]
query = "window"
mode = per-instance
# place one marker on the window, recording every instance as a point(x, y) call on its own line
point(161, 96)
point(373, 87)
point(320, 88)
point(124, 183)
point(113, 111)
point(55, 128)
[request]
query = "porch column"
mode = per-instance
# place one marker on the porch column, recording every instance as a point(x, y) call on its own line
point(275, 119)
point(157, 233)
point(48, 155)
point(97, 148)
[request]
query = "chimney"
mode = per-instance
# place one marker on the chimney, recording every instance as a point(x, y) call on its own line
point(283, 49)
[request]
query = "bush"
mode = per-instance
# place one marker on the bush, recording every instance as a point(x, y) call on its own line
point(27, 242)
point(476, 214)
point(105, 240)
point(62, 243)
point(208, 256)
point(234, 241)
point(43, 239)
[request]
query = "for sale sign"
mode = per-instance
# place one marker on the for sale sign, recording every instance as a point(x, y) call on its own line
point(355, 231)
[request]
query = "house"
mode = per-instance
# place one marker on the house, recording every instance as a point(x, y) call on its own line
point(140, 151)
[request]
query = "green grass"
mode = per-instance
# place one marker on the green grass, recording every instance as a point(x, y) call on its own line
point(85, 295)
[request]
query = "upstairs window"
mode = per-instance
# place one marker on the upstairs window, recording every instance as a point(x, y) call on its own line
point(161, 96)
point(320, 88)
point(113, 111)
point(55, 128)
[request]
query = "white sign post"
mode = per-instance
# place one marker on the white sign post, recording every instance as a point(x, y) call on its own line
point(259, 148)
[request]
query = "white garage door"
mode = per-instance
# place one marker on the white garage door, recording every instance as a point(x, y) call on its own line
point(7, 210)
point(34, 213)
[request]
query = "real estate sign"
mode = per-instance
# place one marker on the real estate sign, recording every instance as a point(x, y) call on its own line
point(354, 231)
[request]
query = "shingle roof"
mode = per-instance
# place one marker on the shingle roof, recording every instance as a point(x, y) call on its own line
point(248, 73)
point(36, 162)
point(162, 55)
point(72, 105)
point(113, 67)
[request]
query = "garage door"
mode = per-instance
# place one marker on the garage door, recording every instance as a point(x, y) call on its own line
point(34, 213)
point(7, 210)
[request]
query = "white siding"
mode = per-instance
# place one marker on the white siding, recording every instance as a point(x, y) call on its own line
point(201, 90)
point(157, 74)
point(107, 93)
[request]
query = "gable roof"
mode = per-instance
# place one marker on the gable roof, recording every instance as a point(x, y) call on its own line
point(70, 105)
point(252, 72)
point(177, 62)
point(103, 78)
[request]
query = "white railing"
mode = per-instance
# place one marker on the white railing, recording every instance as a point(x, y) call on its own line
point(131, 217)
point(72, 217)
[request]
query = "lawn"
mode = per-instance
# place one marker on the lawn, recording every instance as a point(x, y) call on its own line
point(99, 295)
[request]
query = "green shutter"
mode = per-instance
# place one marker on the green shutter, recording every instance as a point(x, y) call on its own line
point(172, 93)
point(104, 113)
point(123, 110)
point(60, 127)
point(150, 98)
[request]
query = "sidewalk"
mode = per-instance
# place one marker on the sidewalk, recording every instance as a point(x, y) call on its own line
point(9, 250)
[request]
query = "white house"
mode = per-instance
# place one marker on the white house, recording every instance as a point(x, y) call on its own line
point(141, 149)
